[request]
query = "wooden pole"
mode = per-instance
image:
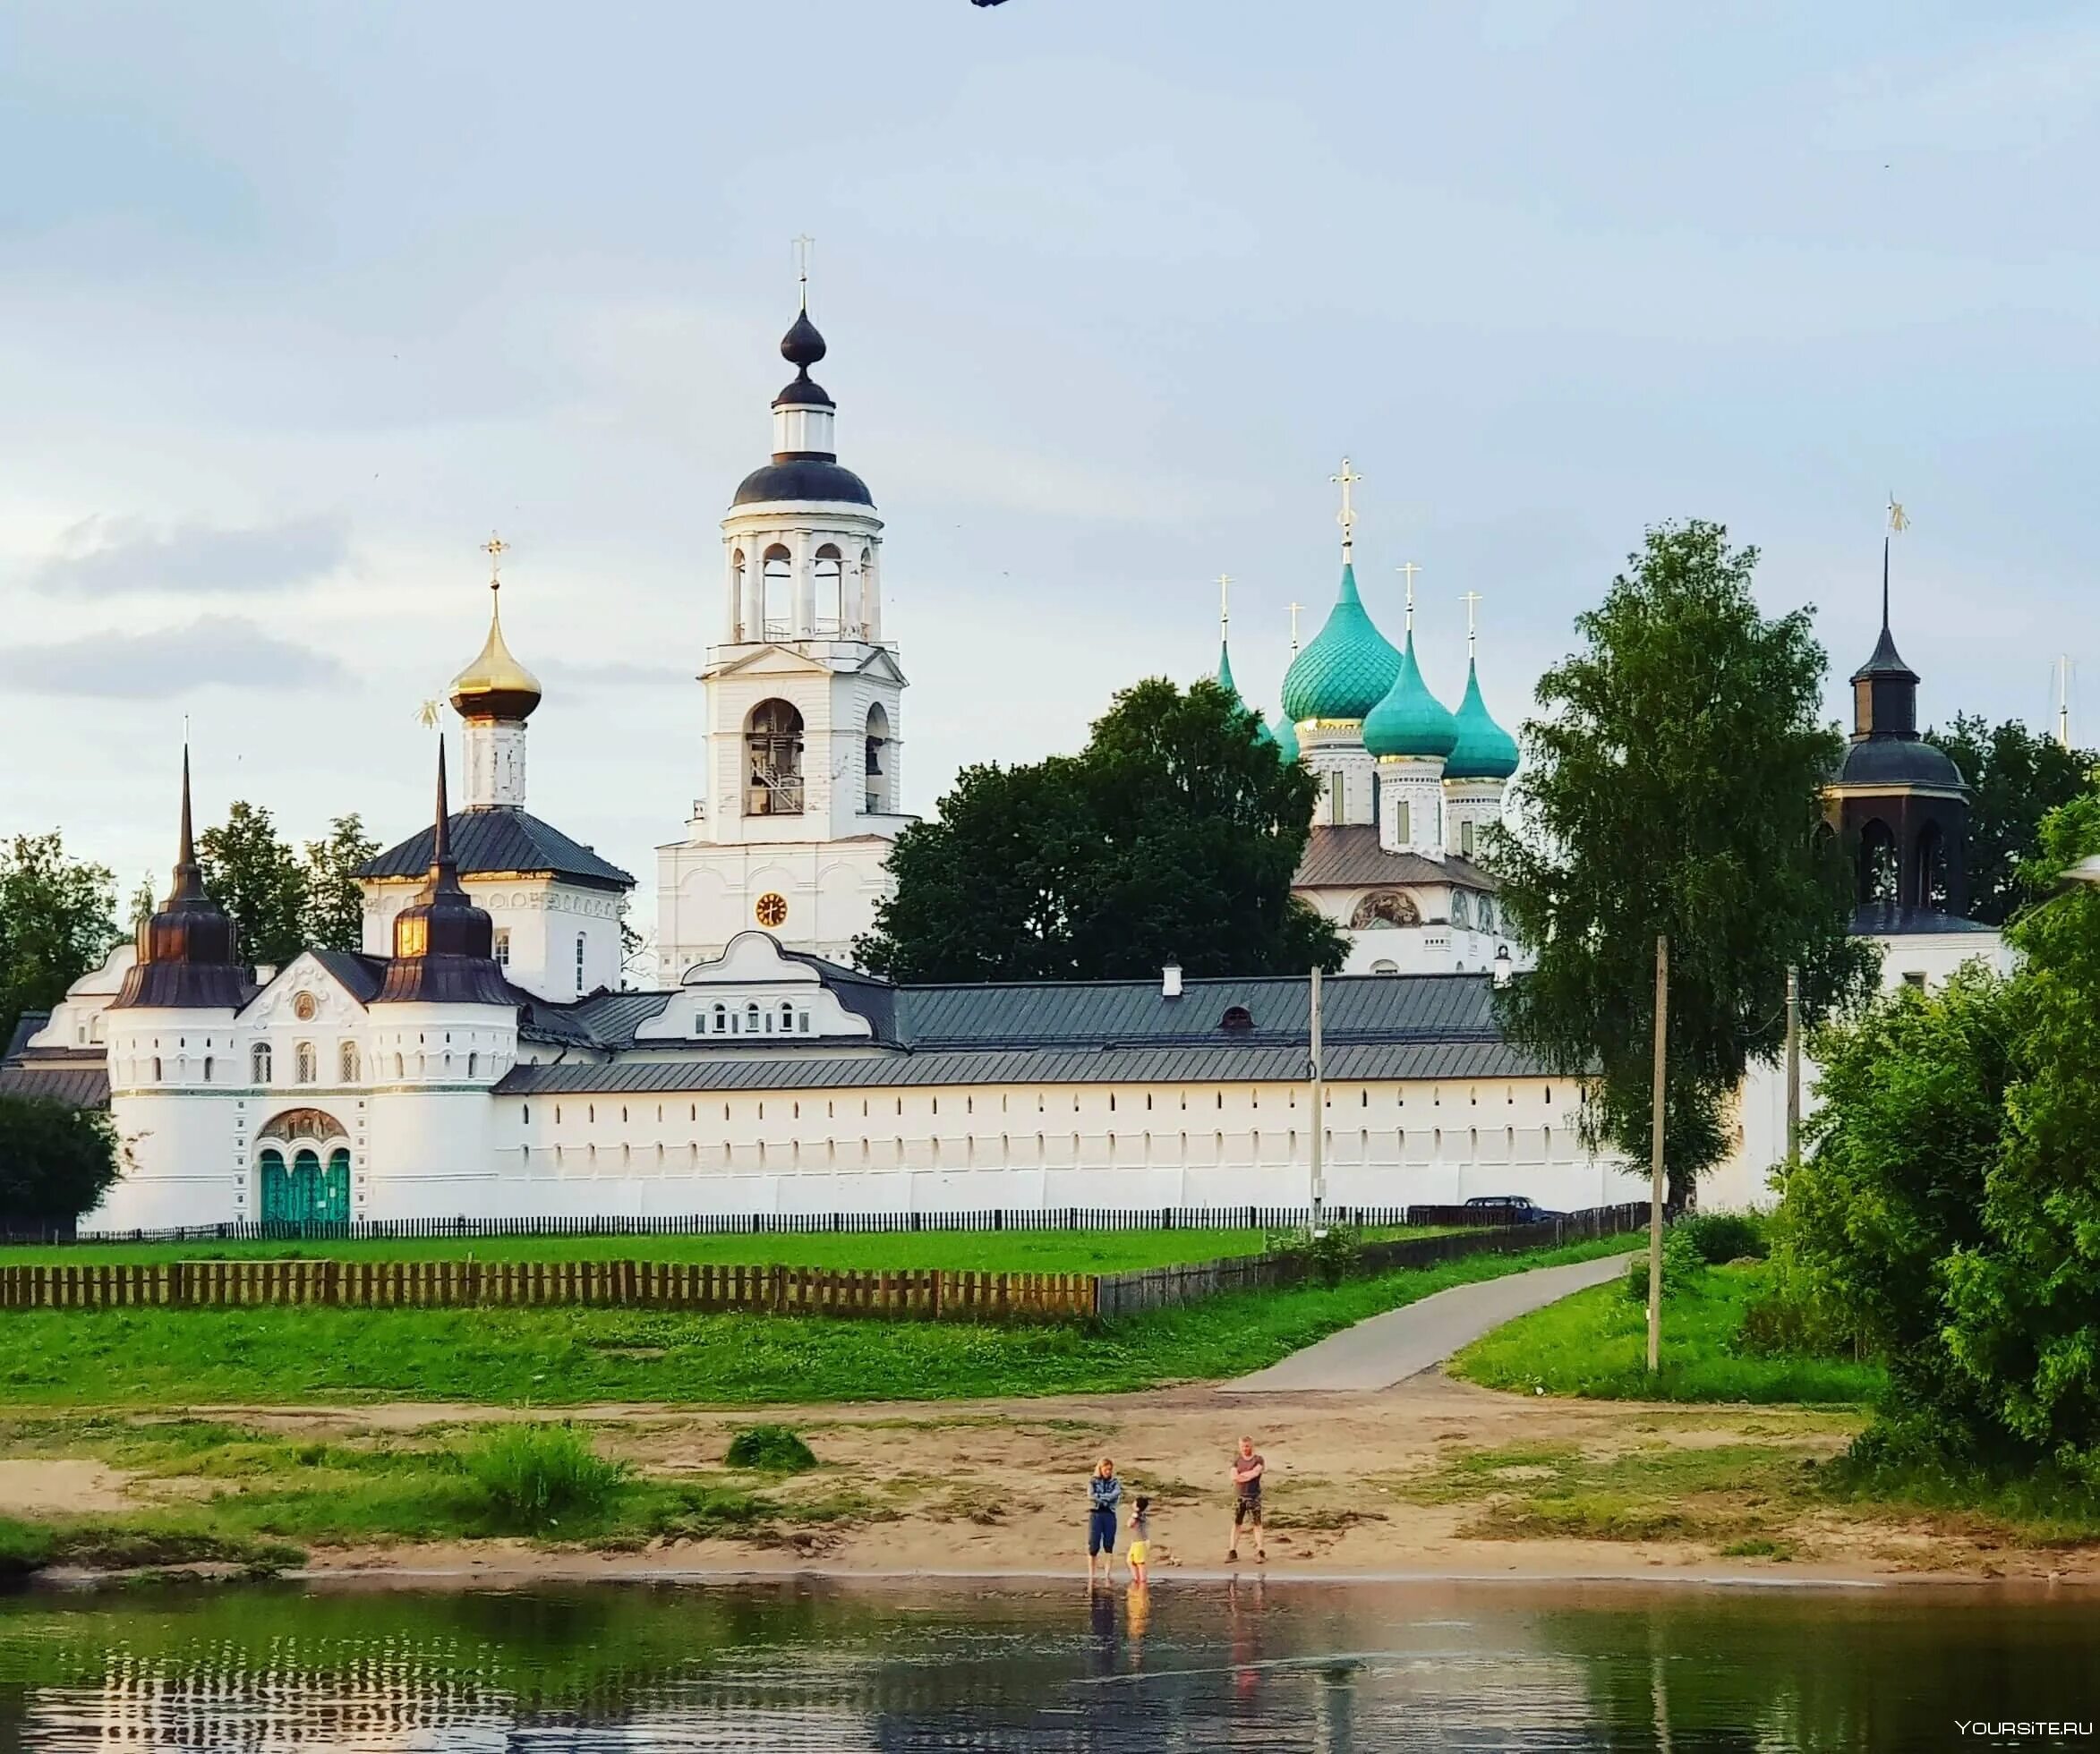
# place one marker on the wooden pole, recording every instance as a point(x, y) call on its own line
point(1655, 1182)
point(1319, 1116)
point(1793, 1068)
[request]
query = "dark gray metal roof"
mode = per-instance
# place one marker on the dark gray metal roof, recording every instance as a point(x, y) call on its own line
point(80, 1081)
point(1349, 857)
point(1270, 1064)
point(605, 1022)
point(487, 842)
point(1886, 920)
point(360, 975)
point(1897, 760)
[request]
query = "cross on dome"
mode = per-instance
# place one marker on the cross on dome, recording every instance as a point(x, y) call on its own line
point(1408, 573)
point(495, 548)
point(1347, 517)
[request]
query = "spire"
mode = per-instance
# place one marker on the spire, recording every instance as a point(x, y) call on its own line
point(444, 945)
point(186, 948)
point(442, 868)
point(1484, 750)
point(189, 879)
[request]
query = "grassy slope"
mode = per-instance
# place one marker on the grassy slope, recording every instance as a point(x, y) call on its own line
point(977, 1251)
point(1595, 1344)
point(114, 1357)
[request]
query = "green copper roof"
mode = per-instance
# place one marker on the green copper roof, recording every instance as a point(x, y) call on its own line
point(1287, 740)
point(1262, 734)
point(1409, 720)
point(1485, 751)
point(1347, 669)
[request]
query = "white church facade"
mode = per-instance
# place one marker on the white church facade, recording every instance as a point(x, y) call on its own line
point(477, 1057)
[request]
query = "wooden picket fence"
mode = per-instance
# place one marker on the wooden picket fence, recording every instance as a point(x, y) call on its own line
point(927, 1295)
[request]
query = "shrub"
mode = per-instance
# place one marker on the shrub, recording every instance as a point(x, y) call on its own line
point(1331, 1256)
point(1681, 1268)
point(55, 1161)
point(534, 1475)
point(24, 1548)
point(1721, 1237)
point(771, 1449)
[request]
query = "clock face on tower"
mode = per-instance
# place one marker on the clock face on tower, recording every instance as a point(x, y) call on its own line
point(772, 909)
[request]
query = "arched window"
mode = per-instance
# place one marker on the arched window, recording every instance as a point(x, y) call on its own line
point(207, 1068)
point(156, 1068)
point(259, 1063)
point(878, 802)
point(400, 1067)
point(778, 608)
point(1879, 880)
point(1236, 1017)
point(772, 743)
point(830, 580)
point(473, 1065)
point(349, 1069)
point(739, 601)
point(721, 1019)
point(305, 1063)
point(1383, 968)
point(751, 1018)
point(1929, 874)
point(787, 1018)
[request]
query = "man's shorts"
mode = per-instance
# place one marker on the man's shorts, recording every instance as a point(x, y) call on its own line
point(1247, 1508)
point(1100, 1532)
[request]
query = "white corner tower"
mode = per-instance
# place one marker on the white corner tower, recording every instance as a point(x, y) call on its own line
point(804, 730)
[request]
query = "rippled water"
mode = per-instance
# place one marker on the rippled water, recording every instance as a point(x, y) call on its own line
point(1274, 1667)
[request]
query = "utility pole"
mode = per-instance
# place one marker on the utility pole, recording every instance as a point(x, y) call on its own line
point(1793, 1068)
point(1656, 1157)
point(1319, 1115)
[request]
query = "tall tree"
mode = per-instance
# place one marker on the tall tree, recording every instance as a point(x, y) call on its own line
point(57, 920)
point(56, 1160)
point(1675, 787)
point(259, 879)
point(333, 917)
point(2015, 777)
point(1171, 838)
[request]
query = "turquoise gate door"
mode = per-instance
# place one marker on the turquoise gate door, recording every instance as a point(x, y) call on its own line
point(306, 1191)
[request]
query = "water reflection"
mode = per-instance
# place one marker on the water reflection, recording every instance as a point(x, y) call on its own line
point(1248, 1666)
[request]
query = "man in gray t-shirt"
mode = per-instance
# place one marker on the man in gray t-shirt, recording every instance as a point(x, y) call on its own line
point(1248, 1469)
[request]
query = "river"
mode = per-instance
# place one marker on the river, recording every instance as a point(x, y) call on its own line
point(1258, 1665)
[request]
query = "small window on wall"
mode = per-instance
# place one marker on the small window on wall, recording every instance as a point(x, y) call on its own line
point(259, 1063)
point(305, 1063)
point(721, 1019)
point(1466, 838)
point(502, 947)
point(579, 964)
point(348, 1068)
point(1338, 799)
point(1914, 978)
point(1403, 829)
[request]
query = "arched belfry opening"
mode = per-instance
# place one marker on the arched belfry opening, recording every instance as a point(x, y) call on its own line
point(777, 608)
point(880, 799)
point(772, 746)
point(829, 578)
point(1879, 871)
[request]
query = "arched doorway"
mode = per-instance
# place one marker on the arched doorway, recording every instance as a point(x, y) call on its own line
point(302, 1167)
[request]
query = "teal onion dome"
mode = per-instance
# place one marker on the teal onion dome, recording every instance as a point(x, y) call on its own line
point(1348, 666)
point(1262, 734)
point(1409, 720)
point(1485, 751)
point(1287, 740)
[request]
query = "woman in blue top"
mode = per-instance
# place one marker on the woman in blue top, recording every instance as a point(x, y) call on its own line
point(1103, 1494)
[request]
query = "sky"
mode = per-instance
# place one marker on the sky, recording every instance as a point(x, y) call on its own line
point(297, 303)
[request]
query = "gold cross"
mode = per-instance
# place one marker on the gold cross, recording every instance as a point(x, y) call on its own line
point(1294, 609)
point(1347, 517)
point(1224, 613)
point(495, 548)
point(802, 248)
point(1899, 519)
point(1471, 598)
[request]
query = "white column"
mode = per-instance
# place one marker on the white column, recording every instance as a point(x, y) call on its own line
point(805, 584)
point(733, 589)
point(871, 594)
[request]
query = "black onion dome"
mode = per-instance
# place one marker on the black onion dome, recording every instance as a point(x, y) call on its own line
point(444, 945)
point(186, 948)
point(802, 346)
point(803, 478)
point(804, 392)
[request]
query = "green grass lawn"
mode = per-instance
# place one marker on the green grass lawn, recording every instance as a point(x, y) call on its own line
point(120, 1358)
point(1595, 1344)
point(957, 1251)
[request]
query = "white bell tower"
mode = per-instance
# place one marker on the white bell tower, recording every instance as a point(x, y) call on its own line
point(798, 795)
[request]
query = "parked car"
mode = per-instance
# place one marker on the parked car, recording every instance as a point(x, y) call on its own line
point(1510, 1209)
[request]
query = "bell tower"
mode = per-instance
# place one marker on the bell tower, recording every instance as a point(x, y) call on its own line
point(798, 797)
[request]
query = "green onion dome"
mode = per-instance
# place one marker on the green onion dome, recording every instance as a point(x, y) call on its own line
point(1262, 734)
point(1348, 666)
point(1409, 720)
point(1484, 751)
point(1287, 740)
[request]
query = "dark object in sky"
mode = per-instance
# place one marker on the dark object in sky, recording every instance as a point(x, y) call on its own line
point(987, 3)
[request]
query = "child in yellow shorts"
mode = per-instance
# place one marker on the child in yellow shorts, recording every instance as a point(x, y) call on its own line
point(1140, 1547)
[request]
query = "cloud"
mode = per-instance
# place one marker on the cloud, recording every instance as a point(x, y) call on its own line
point(101, 557)
point(213, 651)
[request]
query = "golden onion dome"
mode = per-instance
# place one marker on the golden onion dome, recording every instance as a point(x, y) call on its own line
point(495, 685)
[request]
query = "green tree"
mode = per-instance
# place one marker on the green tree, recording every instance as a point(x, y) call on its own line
point(55, 1161)
point(2015, 777)
point(333, 917)
point(1675, 787)
point(2024, 1308)
point(143, 904)
point(1171, 838)
point(57, 920)
point(259, 879)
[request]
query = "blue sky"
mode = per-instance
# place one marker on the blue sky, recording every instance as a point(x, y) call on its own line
point(297, 303)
